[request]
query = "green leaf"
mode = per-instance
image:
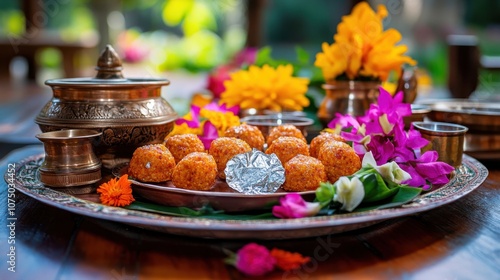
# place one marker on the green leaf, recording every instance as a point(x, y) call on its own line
point(231, 257)
point(161, 209)
point(302, 55)
point(204, 212)
point(325, 193)
point(375, 188)
point(263, 56)
point(403, 196)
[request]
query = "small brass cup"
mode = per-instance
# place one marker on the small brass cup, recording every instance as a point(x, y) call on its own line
point(445, 138)
point(69, 160)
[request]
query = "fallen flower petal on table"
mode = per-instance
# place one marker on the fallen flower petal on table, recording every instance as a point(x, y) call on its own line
point(252, 259)
point(256, 260)
point(288, 260)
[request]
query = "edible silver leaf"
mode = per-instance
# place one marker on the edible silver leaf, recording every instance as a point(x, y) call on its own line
point(255, 173)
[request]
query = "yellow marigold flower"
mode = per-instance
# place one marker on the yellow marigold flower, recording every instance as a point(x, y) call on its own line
point(116, 192)
point(221, 120)
point(362, 47)
point(390, 87)
point(266, 88)
point(200, 100)
point(183, 128)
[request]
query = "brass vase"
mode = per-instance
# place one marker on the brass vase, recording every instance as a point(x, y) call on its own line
point(347, 97)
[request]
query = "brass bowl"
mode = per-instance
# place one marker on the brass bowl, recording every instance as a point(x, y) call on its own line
point(128, 112)
point(447, 139)
point(266, 123)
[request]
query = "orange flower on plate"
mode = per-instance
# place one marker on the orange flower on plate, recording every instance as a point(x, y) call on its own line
point(362, 48)
point(266, 88)
point(116, 192)
point(288, 260)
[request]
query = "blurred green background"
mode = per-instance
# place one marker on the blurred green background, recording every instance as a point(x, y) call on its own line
point(198, 35)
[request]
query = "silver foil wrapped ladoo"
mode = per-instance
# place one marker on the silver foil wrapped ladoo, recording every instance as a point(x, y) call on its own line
point(255, 173)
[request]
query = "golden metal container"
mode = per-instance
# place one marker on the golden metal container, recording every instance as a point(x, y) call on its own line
point(347, 97)
point(447, 139)
point(69, 158)
point(129, 112)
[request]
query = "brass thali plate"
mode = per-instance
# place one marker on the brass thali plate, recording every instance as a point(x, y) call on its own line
point(467, 177)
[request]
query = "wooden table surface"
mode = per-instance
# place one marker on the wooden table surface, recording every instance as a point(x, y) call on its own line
point(460, 240)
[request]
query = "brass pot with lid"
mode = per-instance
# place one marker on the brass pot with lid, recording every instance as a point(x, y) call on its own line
point(129, 112)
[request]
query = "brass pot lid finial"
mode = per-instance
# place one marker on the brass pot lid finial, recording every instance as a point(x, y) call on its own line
point(109, 76)
point(109, 65)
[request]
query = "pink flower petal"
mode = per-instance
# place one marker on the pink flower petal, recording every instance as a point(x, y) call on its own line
point(209, 134)
point(214, 106)
point(216, 81)
point(345, 121)
point(190, 123)
point(384, 101)
point(293, 205)
point(246, 56)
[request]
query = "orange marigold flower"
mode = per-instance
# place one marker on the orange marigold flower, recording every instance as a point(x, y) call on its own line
point(116, 192)
point(287, 260)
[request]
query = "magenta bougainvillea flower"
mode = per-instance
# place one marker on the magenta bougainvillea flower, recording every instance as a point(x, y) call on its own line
point(426, 169)
point(209, 134)
point(222, 108)
point(194, 120)
point(381, 131)
point(293, 205)
point(388, 111)
point(208, 122)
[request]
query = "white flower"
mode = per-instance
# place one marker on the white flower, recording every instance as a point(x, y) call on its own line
point(369, 160)
point(390, 171)
point(349, 192)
